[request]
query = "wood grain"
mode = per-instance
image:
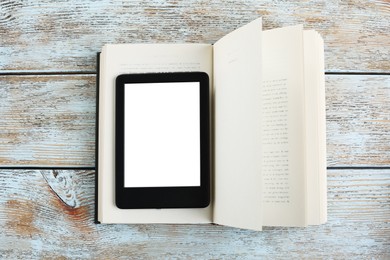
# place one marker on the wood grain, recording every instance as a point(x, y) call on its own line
point(47, 120)
point(65, 35)
point(39, 219)
point(50, 120)
point(358, 120)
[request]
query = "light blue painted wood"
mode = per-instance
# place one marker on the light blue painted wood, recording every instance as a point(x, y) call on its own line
point(36, 221)
point(65, 35)
point(47, 120)
point(50, 120)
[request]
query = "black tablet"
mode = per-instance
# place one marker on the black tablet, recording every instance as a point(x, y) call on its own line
point(162, 140)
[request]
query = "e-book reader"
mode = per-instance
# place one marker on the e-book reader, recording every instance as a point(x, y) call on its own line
point(162, 140)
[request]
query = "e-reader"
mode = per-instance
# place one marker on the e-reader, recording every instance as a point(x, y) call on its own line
point(162, 140)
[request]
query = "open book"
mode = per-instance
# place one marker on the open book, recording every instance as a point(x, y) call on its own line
point(268, 126)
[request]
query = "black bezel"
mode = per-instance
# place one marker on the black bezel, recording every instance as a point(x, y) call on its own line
point(163, 197)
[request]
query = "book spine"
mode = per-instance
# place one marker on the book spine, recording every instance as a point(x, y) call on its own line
point(97, 139)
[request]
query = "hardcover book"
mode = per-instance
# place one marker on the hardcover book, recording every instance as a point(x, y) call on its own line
point(267, 125)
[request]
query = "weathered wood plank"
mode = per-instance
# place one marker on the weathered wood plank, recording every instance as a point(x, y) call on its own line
point(50, 120)
point(65, 35)
point(49, 214)
point(47, 120)
point(358, 120)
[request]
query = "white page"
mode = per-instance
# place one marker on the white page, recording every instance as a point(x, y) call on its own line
point(315, 128)
point(322, 132)
point(237, 81)
point(283, 131)
point(135, 58)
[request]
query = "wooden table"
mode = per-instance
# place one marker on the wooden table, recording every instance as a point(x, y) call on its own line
point(47, 128)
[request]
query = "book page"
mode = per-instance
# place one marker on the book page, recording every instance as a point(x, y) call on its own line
point(315, 128)
point(237, 81)
point(137, 58)
point(283, 129)
point(322, 131)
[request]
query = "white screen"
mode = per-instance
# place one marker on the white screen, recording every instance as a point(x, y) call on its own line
point(162, 134)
